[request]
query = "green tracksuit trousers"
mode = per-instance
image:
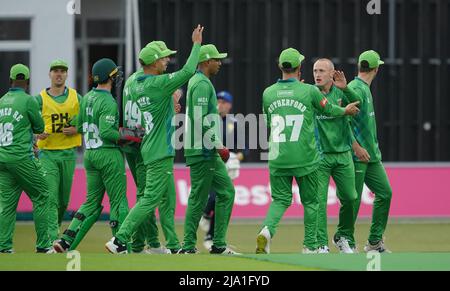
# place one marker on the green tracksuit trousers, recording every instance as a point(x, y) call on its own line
point(375, 177)
point(159, 193)
point(105, 171)
point(148, 230)
point(207, 175)
point(27, 176)
point(340, 167)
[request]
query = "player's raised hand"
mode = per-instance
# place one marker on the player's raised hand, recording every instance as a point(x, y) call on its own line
point(352, 108)
point(197, 34)
point(339, 80)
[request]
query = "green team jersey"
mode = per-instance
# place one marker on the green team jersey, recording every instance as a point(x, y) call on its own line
point(334, 135)
point(201, 102)
point(98, 120)
point(63, 155)
point(132, 116)
point(290, 107)
point(19, 119)
point(154, 97)
point(364, 125)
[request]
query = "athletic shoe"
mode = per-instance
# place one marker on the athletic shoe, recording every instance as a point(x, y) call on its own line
point(323, 250)
point(205, 223)
point(223, 251)
point(61, 246)
point(188, 252)
point(208, 244)
point(342, 245)
point(355, 250)
point(114, 246)
point(157, 251)
point(174, 251)
point(377, 247)
point(46, 250)
point(307, 251)
point(263, 241)
point(10, 251)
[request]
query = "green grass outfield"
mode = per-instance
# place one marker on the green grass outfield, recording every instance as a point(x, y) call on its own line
point(415, 246)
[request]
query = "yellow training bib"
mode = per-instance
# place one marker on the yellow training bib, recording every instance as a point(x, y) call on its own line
point(56, 116)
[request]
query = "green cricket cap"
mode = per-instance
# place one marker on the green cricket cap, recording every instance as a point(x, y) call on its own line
point(209, 51)
point(154, 51)
point(104, 69)
point(290, 58)
point(19, 69)
point(59, 64)
point(371, 57)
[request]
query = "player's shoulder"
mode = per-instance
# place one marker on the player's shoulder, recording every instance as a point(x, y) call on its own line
point(98, 96)
point(304, 89)
point(70, 89)
point(19, 93)
point(38, 98)
point(200, 84)
point(198, 77)
point(161, 79)
point(272, 88)
point(24, 95)
point(307, 86)
point(335, 91)
point(357, 86)
point(15, 98)
point(134, 76)
point(270, 93)
point(74, 91)
point(87, 95)
point(149, 82)
point(352, 83)
point(355, 83)
point(28, 99)
point(109, 99)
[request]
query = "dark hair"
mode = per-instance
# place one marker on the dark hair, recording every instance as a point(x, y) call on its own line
point(287, 68)
point(102, 83)
point(364, 67)
point(20, 77)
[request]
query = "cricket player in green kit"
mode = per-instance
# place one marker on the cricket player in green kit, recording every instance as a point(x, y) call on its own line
point(153, 92)
point(148, 231)
point(104, 163)
point(132, 118)
point(19, 169)
point(59, 106)
point(207, 168)
point(290, 107)
point(337, 161)
point(368, 166)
